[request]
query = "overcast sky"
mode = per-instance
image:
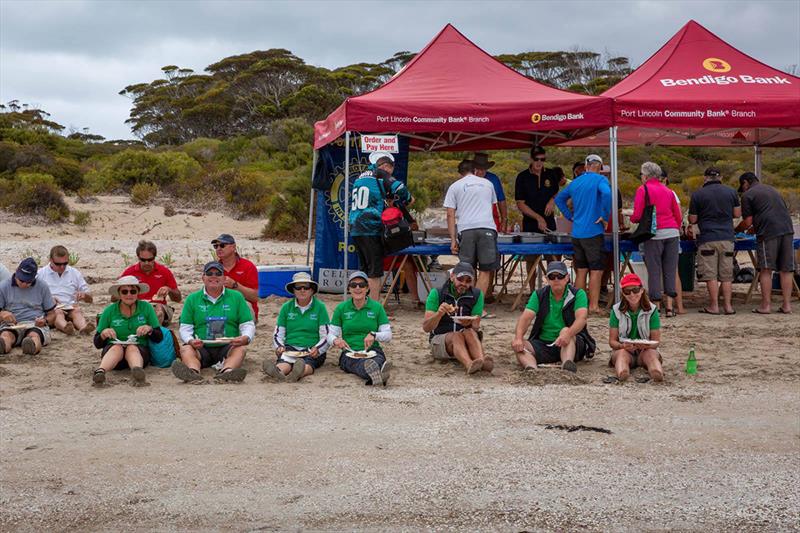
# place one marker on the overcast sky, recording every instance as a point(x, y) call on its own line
point(71, 58)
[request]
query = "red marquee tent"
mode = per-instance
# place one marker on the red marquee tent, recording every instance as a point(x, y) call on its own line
point(455, 96)
point(699, 90)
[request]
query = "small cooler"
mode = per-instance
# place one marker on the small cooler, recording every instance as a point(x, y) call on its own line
point(272, 279)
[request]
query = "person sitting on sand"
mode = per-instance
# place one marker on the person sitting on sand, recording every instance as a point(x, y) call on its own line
point(4, 273)
point(358, 327)
point(634, 318)
point(25, 309)
point(240, 274)
point(457, 339)
point(68, 288)
point(559, 331)
point(302, 326)
point(214, 312)
point(158, 277)
point(124, 329)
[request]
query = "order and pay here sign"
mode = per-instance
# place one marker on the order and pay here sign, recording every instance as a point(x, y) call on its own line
point(380, 143)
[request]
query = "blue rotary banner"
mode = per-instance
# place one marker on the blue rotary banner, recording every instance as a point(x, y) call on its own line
point(329, 181)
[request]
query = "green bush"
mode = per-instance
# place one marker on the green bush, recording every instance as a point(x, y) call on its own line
point(202, 150)
point(34, 194)
point(144, 193)
point(249, 194)
point(81, 219)
point(127, 168)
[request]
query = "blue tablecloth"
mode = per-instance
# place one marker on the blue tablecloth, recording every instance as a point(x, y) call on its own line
point(742, 244)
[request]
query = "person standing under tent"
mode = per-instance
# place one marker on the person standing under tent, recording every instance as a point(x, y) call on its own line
point(591, 204)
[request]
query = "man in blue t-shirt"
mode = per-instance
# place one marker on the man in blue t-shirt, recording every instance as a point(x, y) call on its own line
point(370, 191)
point(591, 203)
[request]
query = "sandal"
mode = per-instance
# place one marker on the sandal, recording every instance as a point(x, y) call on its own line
point(670, 313)
point(99, 376)
point(705, 310)
point(642, 379)
point(611, 379)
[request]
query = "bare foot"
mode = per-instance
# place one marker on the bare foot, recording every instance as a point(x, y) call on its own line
point(625, 374)
point(69, 329)
point(475, 366)
point(657, 375)
point(488, 364)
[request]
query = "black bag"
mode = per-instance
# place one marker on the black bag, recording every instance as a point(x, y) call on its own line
point(397, 233)
point(646, 229)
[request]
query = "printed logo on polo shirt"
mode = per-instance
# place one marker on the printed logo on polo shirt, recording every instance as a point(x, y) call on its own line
point(118, 322)
point(313, 316)
point(370, 314)
point(713, 64)
point(292, 315)
point(349, 315)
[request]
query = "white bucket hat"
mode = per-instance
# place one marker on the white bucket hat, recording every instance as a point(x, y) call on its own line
point(124, 281)
point(302, 277)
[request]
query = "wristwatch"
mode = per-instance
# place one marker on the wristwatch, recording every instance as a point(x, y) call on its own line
point(235, 285)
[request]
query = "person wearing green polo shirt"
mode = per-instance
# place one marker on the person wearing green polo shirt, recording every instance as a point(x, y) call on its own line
point(558, 312)
point(302, 326)
point(212, 313)
point(359, 325)
point(123, 330)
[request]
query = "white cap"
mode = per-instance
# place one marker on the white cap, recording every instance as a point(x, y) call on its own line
point(593, 158)
point(374, 156)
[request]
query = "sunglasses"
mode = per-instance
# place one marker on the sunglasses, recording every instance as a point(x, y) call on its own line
point(214, 273)
point(304, 287)
point(555, 276)
point(147, 259)
point(631, 290)
point(540, 159)
point(219, 245)
point(65, 263)
point(358, 285)
point(129, 291)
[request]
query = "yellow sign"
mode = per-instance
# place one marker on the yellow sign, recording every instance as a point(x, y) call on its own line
point(714, 64)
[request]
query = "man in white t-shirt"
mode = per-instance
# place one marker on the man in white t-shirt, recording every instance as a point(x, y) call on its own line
point(469, 204)
point(68, 288)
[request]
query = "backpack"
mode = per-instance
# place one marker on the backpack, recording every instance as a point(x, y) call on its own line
point(397, 234)
point(163, 353)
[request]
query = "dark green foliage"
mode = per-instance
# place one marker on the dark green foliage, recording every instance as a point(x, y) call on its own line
point(34, 194)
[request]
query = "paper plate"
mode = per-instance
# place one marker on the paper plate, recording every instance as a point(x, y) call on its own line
point(292, 356)
point(361, 354)
point(20, 326)
point(639, 341)
point(459, 319)
point(65, 307)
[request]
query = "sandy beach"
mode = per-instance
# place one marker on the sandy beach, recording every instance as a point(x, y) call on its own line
point(435, 450)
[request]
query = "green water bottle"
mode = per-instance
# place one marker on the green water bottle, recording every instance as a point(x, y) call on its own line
point(691, 362)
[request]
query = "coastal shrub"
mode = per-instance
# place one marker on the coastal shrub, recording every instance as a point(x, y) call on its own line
point(203, 149)
point(144, 193)
point(249, 194)
point(34, 194)
point(81, 219)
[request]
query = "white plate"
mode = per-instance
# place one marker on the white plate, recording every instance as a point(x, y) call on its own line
point(639, 341)
point(65, 307)
point(466, 319)
point(292, 356)
point(361, 354)
point(26, 325)
point(219, 341)
point(123, 343)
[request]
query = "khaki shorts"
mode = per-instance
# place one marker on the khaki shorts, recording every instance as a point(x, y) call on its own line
point(439, 348)
point(715, 261)
point(19, 336)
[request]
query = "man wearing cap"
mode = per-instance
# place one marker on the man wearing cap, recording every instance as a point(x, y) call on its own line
point(158, 278)
point(68, 288)
point(765, 210)
point(591, 204)
point(24, 302)
point(457, 338)
point(472, 231)
point(302, 326)
point(240, 274)
point(559, 335)
point(713, 209)
point(368, 198)
point(214, 312)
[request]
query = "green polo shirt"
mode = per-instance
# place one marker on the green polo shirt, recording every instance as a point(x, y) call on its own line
point(302, 327)
point(655, 323)
point(357, 323)
point(554, 321)
point(125, 326)
point(432, 303)
point(198, 310)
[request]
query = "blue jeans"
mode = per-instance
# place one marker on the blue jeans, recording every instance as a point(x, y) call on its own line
point(356, 366)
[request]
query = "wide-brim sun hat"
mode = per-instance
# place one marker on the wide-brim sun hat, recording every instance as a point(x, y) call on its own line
point(302, 277)
point(125, 281)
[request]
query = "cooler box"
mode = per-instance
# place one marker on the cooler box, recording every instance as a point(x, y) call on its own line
point(272, 279)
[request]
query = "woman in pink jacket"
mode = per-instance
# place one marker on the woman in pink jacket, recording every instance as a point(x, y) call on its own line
point(660, 252)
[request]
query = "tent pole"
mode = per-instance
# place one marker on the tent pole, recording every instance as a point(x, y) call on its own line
point(311, 209)
point(612, 137)
point(346, 208)
point(757, 162)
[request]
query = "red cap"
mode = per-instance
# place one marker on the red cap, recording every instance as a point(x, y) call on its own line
point(630, 280)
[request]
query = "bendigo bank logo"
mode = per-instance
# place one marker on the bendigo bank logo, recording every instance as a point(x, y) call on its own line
point(536, 118)
point(713, 64)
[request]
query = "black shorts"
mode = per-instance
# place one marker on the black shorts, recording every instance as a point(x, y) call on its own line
point(545, 354)
point(211, 355)
point(370, 255)
point(590, 253)
point(776, 253)
point(122, 365)
point(478, 247)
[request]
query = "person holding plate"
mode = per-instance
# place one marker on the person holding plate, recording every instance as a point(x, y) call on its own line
point(358, 327)
point(453, 317)
point(635, 318)
point(123, 330)
point(216, 326)
point(558, 312)
point(301, 333)
point(26, 306)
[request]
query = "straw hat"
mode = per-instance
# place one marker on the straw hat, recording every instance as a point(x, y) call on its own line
point(302, 277)
point(124, 281)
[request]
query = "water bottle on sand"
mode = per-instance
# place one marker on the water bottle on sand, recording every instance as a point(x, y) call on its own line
point(691, 362)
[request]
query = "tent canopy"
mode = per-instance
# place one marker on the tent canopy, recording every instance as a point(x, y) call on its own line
point(455, 96)
point(699, 90)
